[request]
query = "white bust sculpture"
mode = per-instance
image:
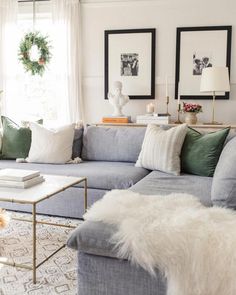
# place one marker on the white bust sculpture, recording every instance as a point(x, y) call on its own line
point(117, 100)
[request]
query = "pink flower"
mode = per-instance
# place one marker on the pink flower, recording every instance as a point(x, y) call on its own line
point(192, 107)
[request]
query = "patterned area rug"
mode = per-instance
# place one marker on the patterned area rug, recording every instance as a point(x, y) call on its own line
point(55, 276)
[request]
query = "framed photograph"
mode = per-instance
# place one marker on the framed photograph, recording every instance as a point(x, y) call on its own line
point(130, 58)
point(196, 49)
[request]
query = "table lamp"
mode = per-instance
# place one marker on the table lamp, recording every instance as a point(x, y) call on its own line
point(215, 79)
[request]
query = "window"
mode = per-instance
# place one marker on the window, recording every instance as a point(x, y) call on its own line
point(34, 96)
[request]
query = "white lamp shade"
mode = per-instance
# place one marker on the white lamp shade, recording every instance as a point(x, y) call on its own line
point(215, 79)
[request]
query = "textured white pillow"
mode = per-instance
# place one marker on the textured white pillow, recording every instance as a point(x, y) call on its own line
point(49, 145)
point(161, 149)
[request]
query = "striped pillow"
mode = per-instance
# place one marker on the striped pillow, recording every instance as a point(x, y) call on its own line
point(161, 149)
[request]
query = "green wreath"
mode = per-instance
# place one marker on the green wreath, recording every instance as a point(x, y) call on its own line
point(34, 66)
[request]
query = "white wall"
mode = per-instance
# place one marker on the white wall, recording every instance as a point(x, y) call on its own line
point(165, 16)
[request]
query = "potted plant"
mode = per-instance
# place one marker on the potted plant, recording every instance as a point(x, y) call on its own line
point(191, 110)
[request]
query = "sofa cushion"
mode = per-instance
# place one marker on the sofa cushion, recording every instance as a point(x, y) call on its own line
point(163, 184)
point(112, 143)
point(94, 237)
point(224, 181)
point(101, 175)
point(201, 152)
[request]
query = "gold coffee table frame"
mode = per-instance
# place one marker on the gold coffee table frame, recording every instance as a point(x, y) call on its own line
point(72, 181)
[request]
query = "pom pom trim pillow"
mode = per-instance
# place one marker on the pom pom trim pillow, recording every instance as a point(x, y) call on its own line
point(50, 145)
point(161, 149)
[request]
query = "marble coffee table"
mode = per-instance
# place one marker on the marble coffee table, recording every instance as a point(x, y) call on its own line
point(52, 185)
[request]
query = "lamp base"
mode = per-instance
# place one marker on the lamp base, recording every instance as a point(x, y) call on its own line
point(213, 123)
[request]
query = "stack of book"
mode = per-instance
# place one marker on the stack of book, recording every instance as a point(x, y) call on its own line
point(123, 119)
point(18, 178)
point(159, 119)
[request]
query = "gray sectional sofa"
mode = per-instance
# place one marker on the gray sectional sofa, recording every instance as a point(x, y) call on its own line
point(109, 156)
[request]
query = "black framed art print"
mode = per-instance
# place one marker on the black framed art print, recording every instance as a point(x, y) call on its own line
point(130, 58)
point(198, 48)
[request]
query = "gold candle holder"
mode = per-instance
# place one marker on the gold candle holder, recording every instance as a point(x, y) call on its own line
point(178, 114)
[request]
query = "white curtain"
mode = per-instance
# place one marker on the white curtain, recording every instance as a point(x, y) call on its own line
point(8, 50)
point(67, 58)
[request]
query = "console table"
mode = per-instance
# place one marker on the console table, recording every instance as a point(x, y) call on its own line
point(196, 126)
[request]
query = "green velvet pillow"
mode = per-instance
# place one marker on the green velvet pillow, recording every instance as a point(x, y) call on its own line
point(16, 140)
point(201, 152)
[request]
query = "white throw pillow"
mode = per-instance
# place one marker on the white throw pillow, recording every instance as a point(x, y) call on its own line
point(161, 149)
point(50, 145)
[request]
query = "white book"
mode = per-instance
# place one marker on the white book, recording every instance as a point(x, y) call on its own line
point(147, 119)
point(22, 184)
point(18, 174)
point(153, 118)
point(153, 121)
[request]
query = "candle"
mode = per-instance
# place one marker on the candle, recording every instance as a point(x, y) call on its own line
point(167, 86)
point(179, 93)
point(150, 108)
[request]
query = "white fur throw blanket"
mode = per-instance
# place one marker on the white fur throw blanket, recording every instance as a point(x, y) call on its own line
point(193, 246)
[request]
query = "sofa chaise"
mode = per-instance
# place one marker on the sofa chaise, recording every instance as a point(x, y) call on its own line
point(100, 272)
